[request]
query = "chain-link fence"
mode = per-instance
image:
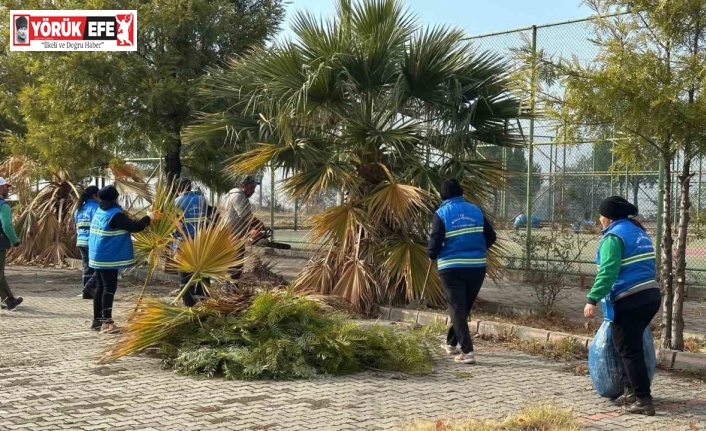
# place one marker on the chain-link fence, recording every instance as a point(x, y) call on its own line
point(569, 177)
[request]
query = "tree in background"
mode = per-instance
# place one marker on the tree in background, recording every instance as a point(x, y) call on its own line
point(103, 105)
point(646, 83)
point(370, 103)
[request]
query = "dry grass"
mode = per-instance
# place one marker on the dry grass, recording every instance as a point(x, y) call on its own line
point(694, 345)
point(539, 418)
point(550, 323)
point(567, 349)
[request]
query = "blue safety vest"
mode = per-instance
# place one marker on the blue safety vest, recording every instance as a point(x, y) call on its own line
point(464, 243)
point(194, 207)
point(83, 218)
point(638, 260)
point(109, 248)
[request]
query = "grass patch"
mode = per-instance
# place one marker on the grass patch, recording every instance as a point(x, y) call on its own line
point(565, 350)
point(539, 418)
point(550, 323)
point(270, 335)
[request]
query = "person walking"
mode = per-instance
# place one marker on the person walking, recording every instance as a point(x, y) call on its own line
point(627, 280)
point(460, 238)
point(88, 205)
point(8, 238)
point(110, 249)
point(194, 207)
point(238, 214)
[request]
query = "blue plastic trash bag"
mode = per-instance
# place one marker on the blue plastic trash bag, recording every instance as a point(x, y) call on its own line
point(604, 365)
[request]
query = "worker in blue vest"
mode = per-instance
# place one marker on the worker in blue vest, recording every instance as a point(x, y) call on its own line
point(460, 238)
point(109, 250)
point(87, 207)
point(627, 279)
point(194, 207)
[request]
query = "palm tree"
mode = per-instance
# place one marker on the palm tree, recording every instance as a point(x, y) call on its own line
point(370, 103)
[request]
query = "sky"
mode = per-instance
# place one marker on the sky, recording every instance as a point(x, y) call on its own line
point(474, 16)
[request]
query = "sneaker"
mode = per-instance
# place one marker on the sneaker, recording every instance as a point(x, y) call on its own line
point(466, 358)
point(109, 328)
point(449, 349)
point(12, 304)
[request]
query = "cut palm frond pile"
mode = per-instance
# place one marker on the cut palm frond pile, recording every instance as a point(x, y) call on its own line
point(269, 335)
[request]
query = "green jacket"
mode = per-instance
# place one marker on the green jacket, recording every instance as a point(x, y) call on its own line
point(8, 237)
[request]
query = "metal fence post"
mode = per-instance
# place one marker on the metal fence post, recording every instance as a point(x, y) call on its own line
point(296, 214)
point(660, 213)
point(272, 201)
point(530, 150)
point(698, 196)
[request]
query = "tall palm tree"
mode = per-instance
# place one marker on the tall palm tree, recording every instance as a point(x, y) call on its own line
point(370, 103)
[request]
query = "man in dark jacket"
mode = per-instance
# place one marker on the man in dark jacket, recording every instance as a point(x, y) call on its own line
point(8, 238)
point(459, 241)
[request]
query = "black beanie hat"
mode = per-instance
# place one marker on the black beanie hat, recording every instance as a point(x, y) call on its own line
point(108, 193)
point(21, 22)
point(90, 191)
point(617, 208)
point(451, 189)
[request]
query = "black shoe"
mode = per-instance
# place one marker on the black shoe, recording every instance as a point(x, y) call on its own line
point(628, 397)
point(87, 294)
point(642, 406)
point(96, 325)
point(13, 303)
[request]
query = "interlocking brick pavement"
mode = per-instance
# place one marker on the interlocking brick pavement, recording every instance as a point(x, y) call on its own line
point(50, 380)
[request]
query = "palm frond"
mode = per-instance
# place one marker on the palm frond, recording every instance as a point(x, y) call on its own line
point(153, 321)
point(356, 283)
point(407, 263)
point(316, 277)
point(208, 254)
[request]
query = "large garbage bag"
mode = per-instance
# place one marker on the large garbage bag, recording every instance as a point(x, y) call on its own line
point(604, 365)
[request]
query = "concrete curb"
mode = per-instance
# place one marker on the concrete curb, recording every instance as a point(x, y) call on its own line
point(667, 358)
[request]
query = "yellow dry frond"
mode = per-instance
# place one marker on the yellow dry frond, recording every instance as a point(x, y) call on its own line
point(356, 283)
point(125, 171)
point(209, 253)
point(316, 277)
point(338, 224)
point(153, 243)
point(253, 160)
point(399, 203)
point(406, 261)
point(152, 321)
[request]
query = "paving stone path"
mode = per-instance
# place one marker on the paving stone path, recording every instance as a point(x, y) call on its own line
point(50, 380)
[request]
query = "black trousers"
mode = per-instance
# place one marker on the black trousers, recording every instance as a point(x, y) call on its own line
point(106, 285)
point(627, 328)
point(5, 292)
point(196, 289)
point(461, 287)
point(237, 270)
point(89, 281)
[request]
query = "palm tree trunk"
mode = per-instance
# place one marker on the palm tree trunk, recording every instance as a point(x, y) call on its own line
point(666, 274)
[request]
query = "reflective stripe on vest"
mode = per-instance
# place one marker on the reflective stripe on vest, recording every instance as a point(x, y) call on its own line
point(109, 248)
point(638, 263)
point(464, 243)
point(82, 219)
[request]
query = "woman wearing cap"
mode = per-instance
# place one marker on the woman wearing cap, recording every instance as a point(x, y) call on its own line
point(626, 278)
point(110, 249)
point(88, 205)
point(459, 241)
